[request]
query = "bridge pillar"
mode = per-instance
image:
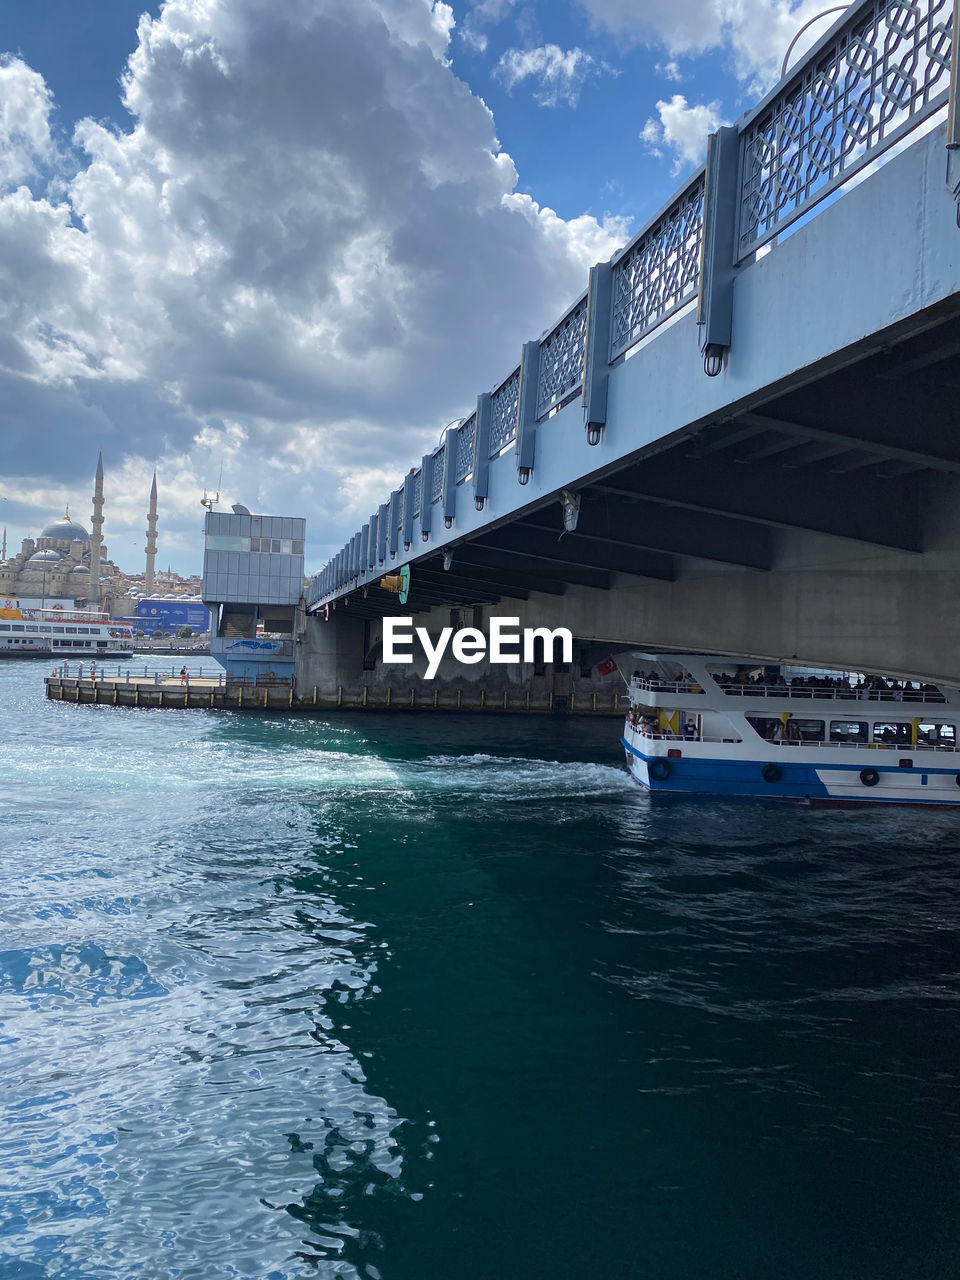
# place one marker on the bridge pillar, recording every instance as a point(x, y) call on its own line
point(329, 654)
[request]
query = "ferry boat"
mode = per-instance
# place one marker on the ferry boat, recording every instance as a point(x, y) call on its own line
point(61, 633)
point(709, 726)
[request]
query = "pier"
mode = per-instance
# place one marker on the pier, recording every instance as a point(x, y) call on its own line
point(166, 691)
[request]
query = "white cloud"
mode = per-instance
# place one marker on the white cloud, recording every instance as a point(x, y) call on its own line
point(25, 105)
point(757, 32)
point(559, 74)
point(309, 235)
point(682, 129)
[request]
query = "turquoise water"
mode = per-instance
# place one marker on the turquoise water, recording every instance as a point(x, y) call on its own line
point(408, 998)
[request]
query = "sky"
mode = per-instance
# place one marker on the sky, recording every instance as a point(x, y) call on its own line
point(272, 249)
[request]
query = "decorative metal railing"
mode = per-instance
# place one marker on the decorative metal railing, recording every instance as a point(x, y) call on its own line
point(465, 440)
point(883, 69)
point(873, 81)
point(561, 359)
point(436, 480)
point(503, 427)
point(659, 271)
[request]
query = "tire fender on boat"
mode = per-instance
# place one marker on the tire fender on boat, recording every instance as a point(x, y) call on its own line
point(869, 777)
point(771, 773)
point(659, 770)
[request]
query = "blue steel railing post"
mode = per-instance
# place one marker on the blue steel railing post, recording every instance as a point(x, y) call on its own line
point(481, 450)
point(382, 530)
point(372, 543)
point(527, 410)
point(426, 488)
point(953, 112)
point(394, 525)
point(596, 363)
point(408, 496)
point(449, 499)
point(364, 549)
point(718, 248)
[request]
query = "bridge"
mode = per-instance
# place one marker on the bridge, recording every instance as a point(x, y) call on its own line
point(744, 436)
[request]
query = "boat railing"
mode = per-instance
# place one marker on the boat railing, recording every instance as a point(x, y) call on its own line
point(833, 695)
point(665, 686)
point(863, 746)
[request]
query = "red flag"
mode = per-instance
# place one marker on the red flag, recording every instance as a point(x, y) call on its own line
point(606, 667)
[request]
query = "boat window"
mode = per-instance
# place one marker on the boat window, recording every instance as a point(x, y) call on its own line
point(83, 631)
point(893, 733)
point(804, 730)
point(937, 735)
point(58, 631)
point(4, 626)
point(71, 631)
point(768, 727)
point(17, 626)
point(849, 731)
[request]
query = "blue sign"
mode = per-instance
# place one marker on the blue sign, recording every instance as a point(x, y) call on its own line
point(171, 615)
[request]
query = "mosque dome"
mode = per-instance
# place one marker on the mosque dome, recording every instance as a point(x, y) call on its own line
point(79, 568)
point(45, 557)
point(65, 530)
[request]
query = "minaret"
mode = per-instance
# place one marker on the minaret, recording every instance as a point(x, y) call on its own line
point(151, 547)
point(96, 538)
point(3, 553)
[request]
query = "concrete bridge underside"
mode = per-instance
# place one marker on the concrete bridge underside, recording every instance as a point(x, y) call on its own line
point(813, 518)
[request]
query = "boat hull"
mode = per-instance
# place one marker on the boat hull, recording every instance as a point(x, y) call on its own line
point(802, 781)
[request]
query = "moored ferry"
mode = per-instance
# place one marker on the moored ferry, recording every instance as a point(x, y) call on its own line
point(709, 726)
point(61, 633)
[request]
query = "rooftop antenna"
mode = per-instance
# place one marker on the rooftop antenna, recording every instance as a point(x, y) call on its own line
point(208, 501)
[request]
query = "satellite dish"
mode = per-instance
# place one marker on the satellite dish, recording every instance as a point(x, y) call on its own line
point(239, 509)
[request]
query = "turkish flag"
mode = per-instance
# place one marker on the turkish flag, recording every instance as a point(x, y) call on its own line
point(606, 667)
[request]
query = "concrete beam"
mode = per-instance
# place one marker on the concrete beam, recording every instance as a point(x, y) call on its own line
point(648, 526)
point(535, 570)
point(874, 511)
point(558, 548)
point(906, 440)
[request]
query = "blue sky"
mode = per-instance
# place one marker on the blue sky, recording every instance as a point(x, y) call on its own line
point(304, 235)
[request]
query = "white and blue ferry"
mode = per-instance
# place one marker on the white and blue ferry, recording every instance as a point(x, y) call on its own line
point(709, 726)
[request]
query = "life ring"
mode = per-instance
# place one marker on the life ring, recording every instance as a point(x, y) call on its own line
point(870, 777)
point(659, 770)
point(771, 773)
point(957, 779)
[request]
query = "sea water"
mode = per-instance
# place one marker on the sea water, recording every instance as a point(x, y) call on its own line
point(418, 996)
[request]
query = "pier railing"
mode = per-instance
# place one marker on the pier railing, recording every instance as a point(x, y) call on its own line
point(878, 74)
point(161, 690)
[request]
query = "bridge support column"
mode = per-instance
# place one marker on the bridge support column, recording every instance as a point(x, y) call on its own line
point(329, 654)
